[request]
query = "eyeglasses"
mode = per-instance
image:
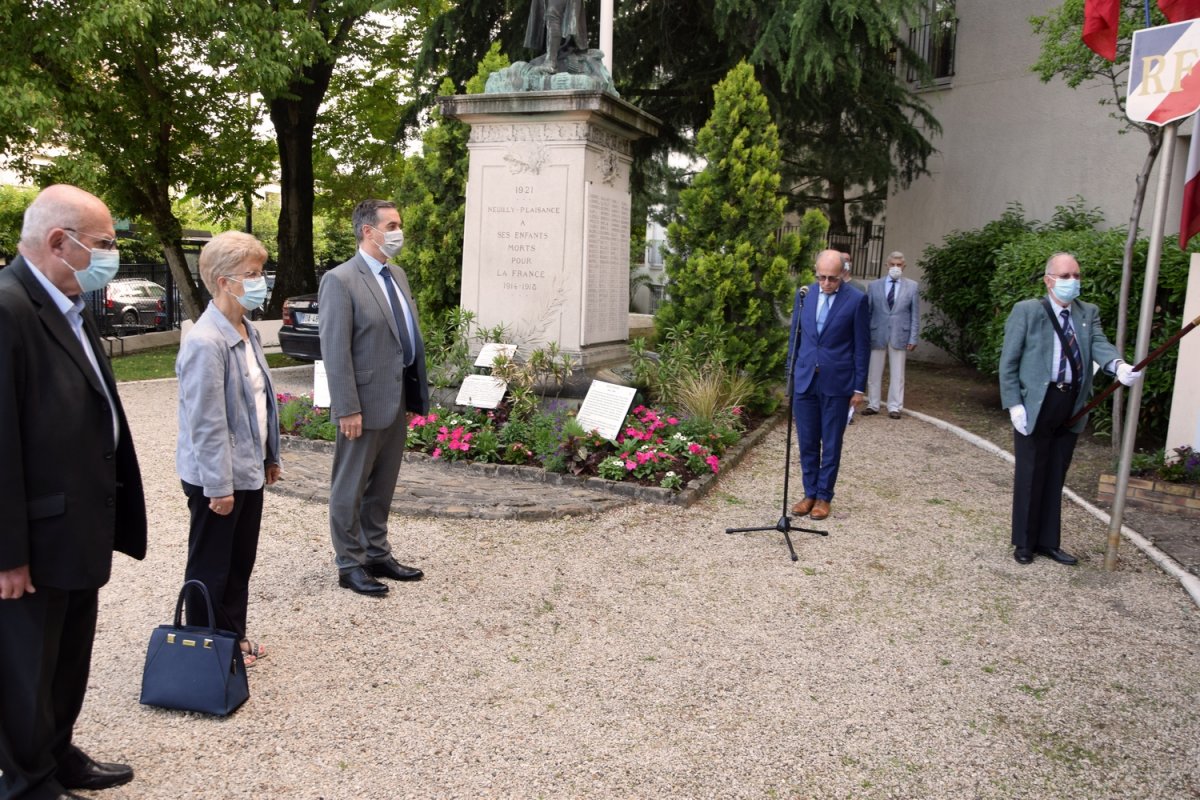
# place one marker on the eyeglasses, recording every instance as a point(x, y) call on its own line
point(1067, 277)
point(102, 242)
point(247, 276)
point(831, 278)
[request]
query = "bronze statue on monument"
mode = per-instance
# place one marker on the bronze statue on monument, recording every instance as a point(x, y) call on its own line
point(557, 31)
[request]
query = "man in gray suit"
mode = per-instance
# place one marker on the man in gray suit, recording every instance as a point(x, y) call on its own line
point(375, 362)
point(1045, 378)
point(895, 323)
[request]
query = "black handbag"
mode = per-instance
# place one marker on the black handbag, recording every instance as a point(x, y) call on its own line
point(193, 667)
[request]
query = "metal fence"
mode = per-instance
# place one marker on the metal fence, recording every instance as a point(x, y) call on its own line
point(112, 325)
point(864, 243)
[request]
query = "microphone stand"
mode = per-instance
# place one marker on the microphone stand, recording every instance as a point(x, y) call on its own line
point(784, 525)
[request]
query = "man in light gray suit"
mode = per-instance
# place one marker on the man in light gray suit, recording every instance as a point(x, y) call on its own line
point(375, 362)
point(1045, 378)
point(895, 325)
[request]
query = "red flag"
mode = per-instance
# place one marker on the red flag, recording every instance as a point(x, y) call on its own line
point(1179, 10)
point(1189, 221)
point(1100, 19)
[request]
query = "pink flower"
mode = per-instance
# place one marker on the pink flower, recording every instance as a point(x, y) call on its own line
point(673, 420)
point(639, 409)
point(713, 462)
point(630, 466)
point(437, 453)
point(694, 448)
point(432, 418)
point(417, 421)
point(643, 457)
point(737, 411)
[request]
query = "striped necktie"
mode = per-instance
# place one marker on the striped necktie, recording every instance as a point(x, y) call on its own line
point(1071, 351)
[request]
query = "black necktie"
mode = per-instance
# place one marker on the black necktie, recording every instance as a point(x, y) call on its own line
point(401, 328)
point(892, 294)
point(1071, 351)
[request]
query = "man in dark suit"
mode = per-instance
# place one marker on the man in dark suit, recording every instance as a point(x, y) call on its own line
point(70, 489)
point(828, 352)
point(895, 323)
point(1045, 379)
point(375, 362)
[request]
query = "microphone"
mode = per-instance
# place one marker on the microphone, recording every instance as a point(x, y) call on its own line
point(803, 291)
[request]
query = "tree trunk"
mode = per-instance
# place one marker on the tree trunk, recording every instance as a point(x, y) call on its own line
point(1135, 218)
point(295, 117)
point(169, 233)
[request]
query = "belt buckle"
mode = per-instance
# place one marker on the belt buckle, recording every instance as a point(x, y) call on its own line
point(1062, 386)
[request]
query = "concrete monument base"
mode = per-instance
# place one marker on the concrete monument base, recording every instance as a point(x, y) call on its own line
point(546, 244)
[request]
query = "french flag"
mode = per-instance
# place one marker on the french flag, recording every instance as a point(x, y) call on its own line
point(1189, 221)
point(1179, 10)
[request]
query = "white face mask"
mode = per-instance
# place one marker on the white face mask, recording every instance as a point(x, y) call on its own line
point(392, 243)
point(895, 272)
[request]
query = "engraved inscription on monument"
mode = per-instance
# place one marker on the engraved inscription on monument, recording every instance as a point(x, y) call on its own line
point(606, 307)
point(522, 281)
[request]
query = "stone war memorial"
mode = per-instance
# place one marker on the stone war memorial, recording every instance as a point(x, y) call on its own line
point(546, 240)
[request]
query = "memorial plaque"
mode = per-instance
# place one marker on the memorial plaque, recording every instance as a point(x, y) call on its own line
point(481, 391)
point(320, 386)
point(606, 264)
point(605, 408)
point(487, 354)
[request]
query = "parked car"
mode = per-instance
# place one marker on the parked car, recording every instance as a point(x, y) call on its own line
point(299, 335)
point(131, 305)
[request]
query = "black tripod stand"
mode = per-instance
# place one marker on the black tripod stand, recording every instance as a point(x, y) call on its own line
point(784, 525)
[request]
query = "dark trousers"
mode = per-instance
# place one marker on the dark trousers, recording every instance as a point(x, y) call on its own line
point(221, 553)
point(365, 471)
point(1043, 458)
point(45, 655)
point(820, 426)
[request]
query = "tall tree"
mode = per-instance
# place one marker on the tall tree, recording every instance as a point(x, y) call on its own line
point(728, 267)
point(129, 91)
point(287, 52)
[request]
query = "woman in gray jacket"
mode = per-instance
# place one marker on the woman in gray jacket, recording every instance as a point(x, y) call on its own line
point(228, 446)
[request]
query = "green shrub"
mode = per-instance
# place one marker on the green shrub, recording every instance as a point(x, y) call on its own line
point(729, 268)
point(958, 276)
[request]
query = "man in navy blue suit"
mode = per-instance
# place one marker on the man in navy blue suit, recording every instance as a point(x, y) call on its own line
point(828, 354)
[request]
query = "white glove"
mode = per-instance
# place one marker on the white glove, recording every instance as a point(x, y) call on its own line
point(1126, 374)
point(1017, 413)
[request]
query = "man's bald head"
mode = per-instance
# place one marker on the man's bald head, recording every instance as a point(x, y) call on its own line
point(60, 225)
point(829, 270)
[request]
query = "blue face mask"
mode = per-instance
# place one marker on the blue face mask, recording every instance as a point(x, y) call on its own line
point(254, 292)
point(1066, 289)
point(100, 270)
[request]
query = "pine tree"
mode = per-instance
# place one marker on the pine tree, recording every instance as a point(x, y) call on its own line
point(432, 195)
point(728, 268)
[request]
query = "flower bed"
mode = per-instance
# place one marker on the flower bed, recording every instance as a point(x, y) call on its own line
point(654, 448)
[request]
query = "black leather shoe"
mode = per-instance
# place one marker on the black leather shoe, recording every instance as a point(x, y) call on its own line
point(359, 580)
point(1055, 554)
point(1022, 556)
point(395, 570)
point(870, 412)
point(80, 771)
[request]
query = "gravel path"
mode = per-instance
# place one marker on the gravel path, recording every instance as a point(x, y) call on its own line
point(644, 653)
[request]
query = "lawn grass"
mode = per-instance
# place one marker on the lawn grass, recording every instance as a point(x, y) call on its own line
point(159, 362)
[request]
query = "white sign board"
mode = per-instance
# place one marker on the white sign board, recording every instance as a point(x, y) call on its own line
point(1163, 83)
point(481, 391)
point(320, 386)
point(605, 407)
point(487, 354)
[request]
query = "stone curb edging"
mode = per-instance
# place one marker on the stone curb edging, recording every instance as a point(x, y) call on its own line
point(1154, 494)
point(1189, 582)
point(696, 488)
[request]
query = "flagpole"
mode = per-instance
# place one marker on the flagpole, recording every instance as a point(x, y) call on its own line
point(1149, 287)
